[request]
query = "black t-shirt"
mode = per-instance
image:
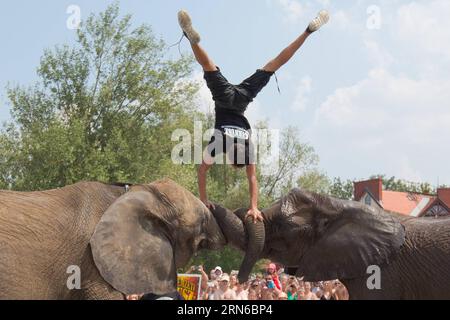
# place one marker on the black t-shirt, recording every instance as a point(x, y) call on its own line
point(227, 118)
point(234, 125)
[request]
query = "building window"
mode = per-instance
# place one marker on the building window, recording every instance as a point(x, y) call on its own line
point(368, 200)
point(437, 211)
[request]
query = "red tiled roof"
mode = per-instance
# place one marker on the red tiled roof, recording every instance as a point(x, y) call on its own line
point(444, 196)
point(403, 202)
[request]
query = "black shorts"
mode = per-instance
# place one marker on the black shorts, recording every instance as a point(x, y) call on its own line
point(220, 145)
point(236, 97)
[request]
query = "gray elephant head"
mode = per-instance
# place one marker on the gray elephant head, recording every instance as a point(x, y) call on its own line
point(320, 238)
point(148, 233)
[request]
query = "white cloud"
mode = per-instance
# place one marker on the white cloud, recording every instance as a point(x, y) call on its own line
point(378, 55)
point(204, 98)
point(302, 98)
point(296, 11)
point(390, 120)
point(425, 24)
point(396, 119)
point(341, 19)
point(293, 9)
point(405, 168)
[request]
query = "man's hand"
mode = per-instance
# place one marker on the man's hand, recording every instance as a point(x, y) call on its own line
point(255, 214)
point(209, 204)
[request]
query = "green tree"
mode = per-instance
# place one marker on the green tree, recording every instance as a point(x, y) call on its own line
point(103, 109)
point(315, 181)
point(295, 159)
point(341, 189)
point(400, 185)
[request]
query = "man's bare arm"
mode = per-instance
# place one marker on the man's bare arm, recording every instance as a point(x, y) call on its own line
point(202, 176)
point(253, 188)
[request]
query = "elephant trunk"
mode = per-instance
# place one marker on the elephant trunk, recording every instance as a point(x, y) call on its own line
point(243, 234)
point(256, 240)
point(232, 227)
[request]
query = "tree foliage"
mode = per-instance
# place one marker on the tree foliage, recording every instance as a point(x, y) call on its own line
point(341, 189)
point(395, 184)
point(295, 159)
point(103, 109)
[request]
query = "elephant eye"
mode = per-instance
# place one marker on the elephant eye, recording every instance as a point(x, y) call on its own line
point(323, 224)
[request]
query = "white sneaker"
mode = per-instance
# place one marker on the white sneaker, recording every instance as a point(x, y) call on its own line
point(186, 24)
point(322, 19)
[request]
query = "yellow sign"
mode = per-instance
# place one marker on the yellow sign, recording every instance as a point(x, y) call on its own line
point(189, 286)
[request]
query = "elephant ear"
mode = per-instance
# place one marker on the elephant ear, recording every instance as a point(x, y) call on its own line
point(131, 247)
point(345, 237)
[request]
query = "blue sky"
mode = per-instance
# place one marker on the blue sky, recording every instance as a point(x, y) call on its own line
point(370, 91)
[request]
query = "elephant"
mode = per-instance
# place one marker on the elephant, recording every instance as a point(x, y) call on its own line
point(122, 240)
point(322, 238)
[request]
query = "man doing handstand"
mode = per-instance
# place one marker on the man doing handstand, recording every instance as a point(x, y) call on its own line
point(231, 102)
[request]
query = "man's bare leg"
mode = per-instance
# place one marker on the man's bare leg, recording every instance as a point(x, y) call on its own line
point(202, 58)
point(286, 55)
point(194, 38)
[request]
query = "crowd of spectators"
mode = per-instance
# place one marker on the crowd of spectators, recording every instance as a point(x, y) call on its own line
point(273, 284)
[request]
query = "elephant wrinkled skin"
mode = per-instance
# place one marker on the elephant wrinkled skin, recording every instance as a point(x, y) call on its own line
point(123, 242)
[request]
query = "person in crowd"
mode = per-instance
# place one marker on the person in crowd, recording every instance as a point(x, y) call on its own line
point(341, 291)
point(259, 276)
point(316, 286)
point(284, 281)
point(252, 295)
point(266, 294)
point(292, 292)
point(201, 271)
point(241, 291)
point(319, 294)
point(329, 292)
point(224, 292)
point(211, 291)
point(272, 271)
point(233, 281)
point(308, 293)
point(282, 296)
point(254, 286)
point(269, 282)
point(216, 273)
point(132, 297)
point(293, 281)
point(301, 292)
